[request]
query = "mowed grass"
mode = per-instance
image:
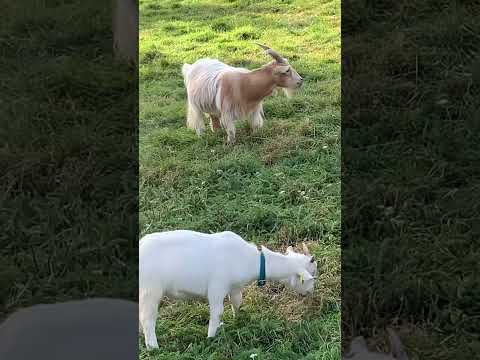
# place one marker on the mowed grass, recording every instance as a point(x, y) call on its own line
point(278, 187)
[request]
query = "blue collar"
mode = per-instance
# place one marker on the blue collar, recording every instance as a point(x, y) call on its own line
point(261, 276)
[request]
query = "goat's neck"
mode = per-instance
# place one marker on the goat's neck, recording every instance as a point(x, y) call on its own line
point(260, 84)
point(278, 266)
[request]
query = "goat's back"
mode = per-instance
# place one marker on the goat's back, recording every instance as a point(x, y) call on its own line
point(202, 80)
point(206, 67)
point(187, 261)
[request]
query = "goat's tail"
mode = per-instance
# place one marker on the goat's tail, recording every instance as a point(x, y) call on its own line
point(185, 71)
point(195, 118)
point(194, 114)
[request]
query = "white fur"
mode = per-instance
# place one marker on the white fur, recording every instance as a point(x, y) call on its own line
point(186, 264)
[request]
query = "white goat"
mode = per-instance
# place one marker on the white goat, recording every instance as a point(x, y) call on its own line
point(186, 264)
point(229, 93)
point(125, 30)
point(359, 350)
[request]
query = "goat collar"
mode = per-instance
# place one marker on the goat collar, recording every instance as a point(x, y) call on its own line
point(261, 275)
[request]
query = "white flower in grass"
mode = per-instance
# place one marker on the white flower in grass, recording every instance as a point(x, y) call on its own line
point(253, 356)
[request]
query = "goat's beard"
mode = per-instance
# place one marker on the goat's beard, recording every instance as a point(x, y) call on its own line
point(289, 92)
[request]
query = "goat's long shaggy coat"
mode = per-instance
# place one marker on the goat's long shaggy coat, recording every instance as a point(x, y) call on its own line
point(213, 88)
point(230, 93)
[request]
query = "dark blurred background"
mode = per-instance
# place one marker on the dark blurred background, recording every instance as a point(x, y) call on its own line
point(411, 173)
point(68, 156)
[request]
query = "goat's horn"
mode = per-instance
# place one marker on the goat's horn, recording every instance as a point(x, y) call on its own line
point(273, 54)
point(262, 46)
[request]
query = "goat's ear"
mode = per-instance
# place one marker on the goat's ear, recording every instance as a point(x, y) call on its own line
point(312, 260)
point(396, 346)
point(282, 69)
point(304, 276)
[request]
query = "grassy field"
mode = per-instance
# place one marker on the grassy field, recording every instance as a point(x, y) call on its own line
point(278, 187)
point(410, 186)
point(68, 156)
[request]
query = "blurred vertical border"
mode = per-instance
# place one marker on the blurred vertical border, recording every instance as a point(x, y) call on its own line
point(410, 182)
point(68, 156)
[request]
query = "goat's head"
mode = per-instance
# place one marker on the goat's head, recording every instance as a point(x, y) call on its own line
point(284, 74)
point(359, 350)
point(303, 282)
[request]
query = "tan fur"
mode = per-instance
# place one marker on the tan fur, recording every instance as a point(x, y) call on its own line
point(228, 94)
point(247, 90)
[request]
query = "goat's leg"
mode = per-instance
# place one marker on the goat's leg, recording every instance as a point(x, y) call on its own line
point(214, 123)
point(216, 295)
point(148, 306)
point(195, 119)
point(236, 300)
point(216, 311)
point(229, 126)
point(255, 121)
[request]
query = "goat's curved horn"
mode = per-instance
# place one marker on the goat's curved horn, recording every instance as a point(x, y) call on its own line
point(273, 54)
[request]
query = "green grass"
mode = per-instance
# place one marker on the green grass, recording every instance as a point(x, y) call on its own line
point(278, 187)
